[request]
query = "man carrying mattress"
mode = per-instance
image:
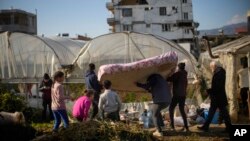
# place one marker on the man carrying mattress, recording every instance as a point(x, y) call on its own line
point(92, 83)
point(161, 96)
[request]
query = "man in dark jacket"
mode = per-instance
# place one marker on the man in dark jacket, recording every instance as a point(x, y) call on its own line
point(45, 88)
point(91, 82)
point(159, 89)
point(179, 80)
point(218, 97)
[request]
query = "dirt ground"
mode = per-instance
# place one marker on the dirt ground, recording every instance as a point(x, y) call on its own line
point(214, 134)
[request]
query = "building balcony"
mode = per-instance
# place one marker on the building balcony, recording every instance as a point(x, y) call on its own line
point(110, 6)
point(111, 21)
point(185, 23)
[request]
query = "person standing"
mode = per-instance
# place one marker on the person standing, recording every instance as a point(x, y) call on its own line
point(243, 78)
point(45, 88)
point(91, 82)
point(82, 106)
point(218, 97)
point(161, 96)
point(58, 104)
point(180, 82)
point(110, 103)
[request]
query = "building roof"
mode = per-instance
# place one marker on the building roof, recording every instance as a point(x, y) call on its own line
point(241, 30)
point(16, 11)
point(241, 45)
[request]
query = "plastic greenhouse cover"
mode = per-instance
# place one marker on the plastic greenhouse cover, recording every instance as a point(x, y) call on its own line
point(27, 56)
point(126, 47)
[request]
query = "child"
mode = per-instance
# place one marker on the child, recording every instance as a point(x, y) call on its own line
point(58, 104)
point(109, 103)
point(82, 106)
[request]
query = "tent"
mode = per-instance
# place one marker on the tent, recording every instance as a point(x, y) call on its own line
point(24, 56)
point(230, 55)
point(126, 47)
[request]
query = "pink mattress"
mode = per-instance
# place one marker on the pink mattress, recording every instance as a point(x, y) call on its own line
point(123, 76)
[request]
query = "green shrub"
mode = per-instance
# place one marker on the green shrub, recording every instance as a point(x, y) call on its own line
point(130, 97)
point(12, 103)
point(6, 88)
point(76, 90)
point(32, 115)
point(145, 98)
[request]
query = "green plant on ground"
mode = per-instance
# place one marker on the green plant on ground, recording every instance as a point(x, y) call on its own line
point(76, 90)
point(145, 98)
point(12, 103)
point(130, 97)
point(6, 88)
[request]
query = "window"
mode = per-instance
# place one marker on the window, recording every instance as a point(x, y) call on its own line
point(142, 2)
point(127, 12)
point(185, 16)
point(163, 11)
point(166, 27)
point(148, 25)
point(184, 1)
point(5, 19)
point(186, 31)
point(148, 8)
point(127, 27)
point(175, 9)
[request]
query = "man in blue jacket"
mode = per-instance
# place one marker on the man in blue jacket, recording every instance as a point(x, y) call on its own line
point(160, 91)
point(91, 82)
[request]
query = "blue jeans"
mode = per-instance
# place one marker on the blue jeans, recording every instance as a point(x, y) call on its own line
point(58, 114)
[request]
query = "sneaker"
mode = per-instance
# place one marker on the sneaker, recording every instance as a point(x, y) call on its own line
point(202, 128)
point(157, 133)
point(172, 129)
point(184, 130)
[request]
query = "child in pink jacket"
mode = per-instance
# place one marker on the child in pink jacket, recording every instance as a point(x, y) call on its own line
point(58, 105)
point(82, 106)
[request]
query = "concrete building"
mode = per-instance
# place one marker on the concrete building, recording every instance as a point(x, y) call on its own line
point(15, 20)
point(248, 22)
point(171, 19)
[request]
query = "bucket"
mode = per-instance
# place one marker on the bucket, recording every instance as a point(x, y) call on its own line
point(215, 118)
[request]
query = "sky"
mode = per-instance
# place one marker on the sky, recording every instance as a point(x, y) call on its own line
point(90, 16)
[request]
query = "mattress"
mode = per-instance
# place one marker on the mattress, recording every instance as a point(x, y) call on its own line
point(124, 76)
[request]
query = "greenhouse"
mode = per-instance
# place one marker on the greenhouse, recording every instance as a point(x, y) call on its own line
point(26, 57)
point(127, 47)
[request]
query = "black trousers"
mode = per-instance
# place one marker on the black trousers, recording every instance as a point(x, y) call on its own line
point(157, 117)
point(95, 109)
point(224, 113)
point(47, 104)
point(113, 116)
point(244, 96)
point(181, 101)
